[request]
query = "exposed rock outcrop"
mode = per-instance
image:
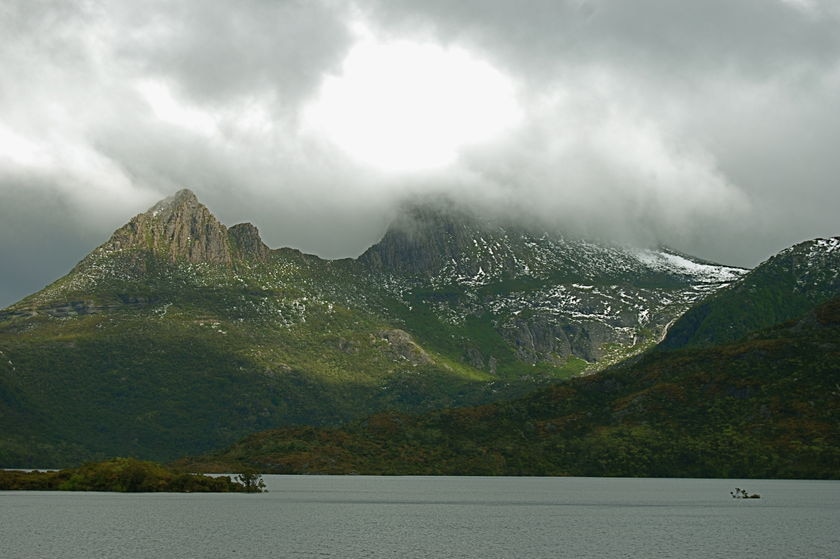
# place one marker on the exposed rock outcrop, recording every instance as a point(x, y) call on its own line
point(543, 340)
point(246, 242)
point(182, 229)
point(422, 240)
point(403, 347)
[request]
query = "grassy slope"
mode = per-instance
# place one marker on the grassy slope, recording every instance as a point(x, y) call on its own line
point(766, 406)
point(783, 288)
point(157, 360)
point(183, 361)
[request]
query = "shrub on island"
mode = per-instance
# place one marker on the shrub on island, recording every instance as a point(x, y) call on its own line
point(127, 475)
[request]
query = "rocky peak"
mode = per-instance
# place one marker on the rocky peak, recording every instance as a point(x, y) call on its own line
point(424, 238)
point(182, 202)
point(246, 241)
point(179, 227)
point(182, 229)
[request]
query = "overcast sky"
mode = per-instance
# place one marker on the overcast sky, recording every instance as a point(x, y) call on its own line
point(711, 126)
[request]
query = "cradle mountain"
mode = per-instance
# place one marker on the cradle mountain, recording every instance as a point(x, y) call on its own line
point(180, 335)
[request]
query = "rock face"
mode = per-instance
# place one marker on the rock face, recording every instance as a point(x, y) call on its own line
point(404, 347)
point(176, 235)
point(179, 227)
point(553, 341)
point(182, 230)
point(548, 298)
point(421, 241)
point(246, 242)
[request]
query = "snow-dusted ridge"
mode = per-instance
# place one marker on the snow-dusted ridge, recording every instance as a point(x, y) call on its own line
point(824, 246)
point(665, 261)
point(550, 296)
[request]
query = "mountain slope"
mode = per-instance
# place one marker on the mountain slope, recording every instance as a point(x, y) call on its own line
point(780, 289)
point(502, 295)
point(764, 408)
point(179, 334)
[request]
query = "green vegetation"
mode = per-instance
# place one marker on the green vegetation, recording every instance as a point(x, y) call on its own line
point(251, 481)
point(127, 475)
point(175, 363)
point(764, 407)
point(134, 382)
point(783, 288)
point(180, 336)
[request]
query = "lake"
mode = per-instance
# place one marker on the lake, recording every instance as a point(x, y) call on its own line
point(433, 517)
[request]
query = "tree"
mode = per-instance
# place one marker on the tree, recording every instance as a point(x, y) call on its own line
point(252, 481)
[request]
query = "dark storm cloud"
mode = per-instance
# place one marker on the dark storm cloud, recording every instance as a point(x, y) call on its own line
point(706, 125)
point(41, 239)
point(756, 36)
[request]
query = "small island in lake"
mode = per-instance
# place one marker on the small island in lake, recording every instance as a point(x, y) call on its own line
point(128, 475)
point(743, 494)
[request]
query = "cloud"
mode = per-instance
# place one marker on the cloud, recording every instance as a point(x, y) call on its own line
point(726, 107)
point(408, 106)
point(691, 124)
point(754, 36)
point(590, 164)
point(216, 52)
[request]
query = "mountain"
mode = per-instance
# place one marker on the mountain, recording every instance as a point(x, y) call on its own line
point(780, 289)
point(179, 334)
point(182, 229)
point(502, 295)
point(763, 407)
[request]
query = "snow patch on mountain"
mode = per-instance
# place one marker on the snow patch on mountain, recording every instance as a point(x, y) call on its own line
point(697, 271)
point(824, 246)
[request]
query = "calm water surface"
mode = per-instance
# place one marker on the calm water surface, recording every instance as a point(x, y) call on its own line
point(430, 517)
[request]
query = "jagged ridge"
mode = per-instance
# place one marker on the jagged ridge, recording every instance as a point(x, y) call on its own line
point(549, 298)
point(180, 334)
point(183, 229)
